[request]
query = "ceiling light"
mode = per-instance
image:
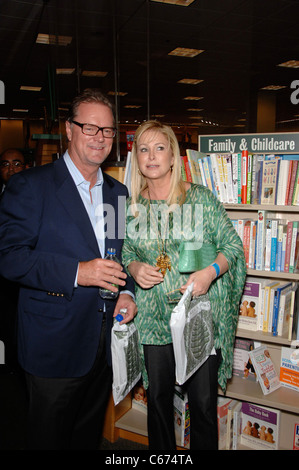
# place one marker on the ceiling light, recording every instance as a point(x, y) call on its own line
point(94, 73)
point(273, 87)
point(190, 81)
point(195, 98)
point(185, 52)
point(290, 63)
point(20, 110)
point(195, 109)
point(158, 115)
point(132, 106)
point(195, 117)
point(30, 88)
point(119, 93)
point(65, 71)
point(182, 3)
point(53, 39)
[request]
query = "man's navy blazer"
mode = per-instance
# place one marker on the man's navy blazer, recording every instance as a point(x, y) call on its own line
point(44, 232)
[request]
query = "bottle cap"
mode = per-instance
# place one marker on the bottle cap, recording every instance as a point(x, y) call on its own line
point(119, 317)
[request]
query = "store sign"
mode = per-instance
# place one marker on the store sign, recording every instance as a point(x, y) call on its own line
point(255, 143)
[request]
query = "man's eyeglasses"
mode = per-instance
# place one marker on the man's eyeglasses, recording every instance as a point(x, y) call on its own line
point(92, 129)
point(15, 164)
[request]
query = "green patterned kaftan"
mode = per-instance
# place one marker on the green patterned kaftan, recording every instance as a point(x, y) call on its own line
point(204, 217)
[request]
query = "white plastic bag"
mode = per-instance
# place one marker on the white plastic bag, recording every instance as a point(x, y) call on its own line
point(191, 327)
point(126, 361)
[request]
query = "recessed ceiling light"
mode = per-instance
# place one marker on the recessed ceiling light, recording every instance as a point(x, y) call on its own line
point(119, 93)
point(65, 71)
point(273, 87)
point(195, 98)
point(195, 117)
point(185, 52)
point(290, 63)
point(20, 110)
point(190, 81)
point(158, 115)
point(182, 3)
point(53, 39)
point(132, 106)
point(30, 88)
point(94, 73)
point(195, 109)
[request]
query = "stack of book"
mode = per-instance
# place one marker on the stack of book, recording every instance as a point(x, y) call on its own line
point(243, 178)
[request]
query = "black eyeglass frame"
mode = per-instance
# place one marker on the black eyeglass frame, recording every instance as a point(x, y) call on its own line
point(99, 129)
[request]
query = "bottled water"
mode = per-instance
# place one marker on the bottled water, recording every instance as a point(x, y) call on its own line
point(106, 293)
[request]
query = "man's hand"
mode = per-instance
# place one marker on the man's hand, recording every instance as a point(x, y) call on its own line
point(126, 301)
point(102, 273)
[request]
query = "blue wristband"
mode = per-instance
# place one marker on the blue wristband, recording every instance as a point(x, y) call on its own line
point(217, 269)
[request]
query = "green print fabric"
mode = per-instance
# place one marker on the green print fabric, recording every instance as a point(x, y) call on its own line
point(205, 217)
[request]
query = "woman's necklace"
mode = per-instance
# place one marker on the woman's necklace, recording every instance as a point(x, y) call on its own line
point(162, 261)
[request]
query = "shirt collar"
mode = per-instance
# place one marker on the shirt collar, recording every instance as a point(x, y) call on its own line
point(77, 175)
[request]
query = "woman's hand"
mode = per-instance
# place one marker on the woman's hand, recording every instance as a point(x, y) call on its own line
point(145, 275)
point(202, 281)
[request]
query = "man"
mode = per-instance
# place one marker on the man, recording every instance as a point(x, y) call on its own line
point(52, 241)
point(11, 161)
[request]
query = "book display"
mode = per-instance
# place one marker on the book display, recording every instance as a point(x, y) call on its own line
point(256, 177)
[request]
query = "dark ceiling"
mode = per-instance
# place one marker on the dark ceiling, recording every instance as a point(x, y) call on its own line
point(243, 43)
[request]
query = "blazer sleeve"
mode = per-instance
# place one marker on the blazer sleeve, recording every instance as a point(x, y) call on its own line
point(23, 257)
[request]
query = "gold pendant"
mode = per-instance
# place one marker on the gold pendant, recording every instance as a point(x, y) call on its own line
point(163, 263)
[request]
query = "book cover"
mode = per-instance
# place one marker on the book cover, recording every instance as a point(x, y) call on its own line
point(251, 303)
point(237, 425)
point(296, 437)
point(193, 156)
point(242, 365)
point(265, 370)
point(139, 398)
point(270, 170)
point(285, 313)
point(260, 427)
point(289, 368)
point(261, 241)
point(232, 407)
point(209, 174)
point(216, 176)
point(273, 254)
point(187, 169)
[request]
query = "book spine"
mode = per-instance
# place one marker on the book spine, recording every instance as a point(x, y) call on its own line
point(268, 244)
point(273, 245)
point(292, 184)
point(252, 242)
point(288, 247)
point(221, 179)
point(235, 177)
point(227, 164)
point(187, 169)
point(249, 178)
point(260, 242)
point(279, 247)
point(288, 183)
point(244, 169)
point(216, 175)
point(293, 246)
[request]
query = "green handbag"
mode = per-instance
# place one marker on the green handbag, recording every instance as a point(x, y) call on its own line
point(192, 258)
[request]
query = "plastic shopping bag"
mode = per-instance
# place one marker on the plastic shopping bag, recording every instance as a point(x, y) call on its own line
point(126, 361)
point(191, 327)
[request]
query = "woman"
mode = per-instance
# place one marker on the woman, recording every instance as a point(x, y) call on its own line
point(151, 255)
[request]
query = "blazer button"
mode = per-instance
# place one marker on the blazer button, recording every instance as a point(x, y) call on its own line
point(100, 310)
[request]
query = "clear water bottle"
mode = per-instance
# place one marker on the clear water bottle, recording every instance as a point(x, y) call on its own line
point(106, 293)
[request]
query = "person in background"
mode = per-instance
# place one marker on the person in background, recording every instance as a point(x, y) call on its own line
point(11, 161)
point(151, 255)
point(53, 238)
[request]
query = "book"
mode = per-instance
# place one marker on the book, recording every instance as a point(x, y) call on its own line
point(246, 240)
point(256, 179)
point(285, 312)
point(216, 176)
point(242, 365)
point(292, 182)
point(208, 174)
point(270, 169)
point(296, 189)
point(289, 368)
point(288, 182)
point(280, 228)
point(187, 169)
point(232, 407)
point(237, 425)
point(251, 303)
point(139, 398)
point(244, 170)
point(181, 417)
point(296, 437)
point(260, 427)
point(260, 241)
point(278, 291)
point(249, 178)
point(235, 176)
point(273, 251)
point(268, 244)
point(193, 158)
point(265, 370)
point(252, 244)
point(282, 182)
point(294, 246)
point(222, 408)
point(268, 303)
point(294, 314)
point(222, 187)
point(227, 169)
point(288, 246)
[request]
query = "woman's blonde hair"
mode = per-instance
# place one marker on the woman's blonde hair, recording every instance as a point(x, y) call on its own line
point(177, 193)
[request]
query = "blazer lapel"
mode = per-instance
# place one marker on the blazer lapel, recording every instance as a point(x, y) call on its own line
point(70, 198)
